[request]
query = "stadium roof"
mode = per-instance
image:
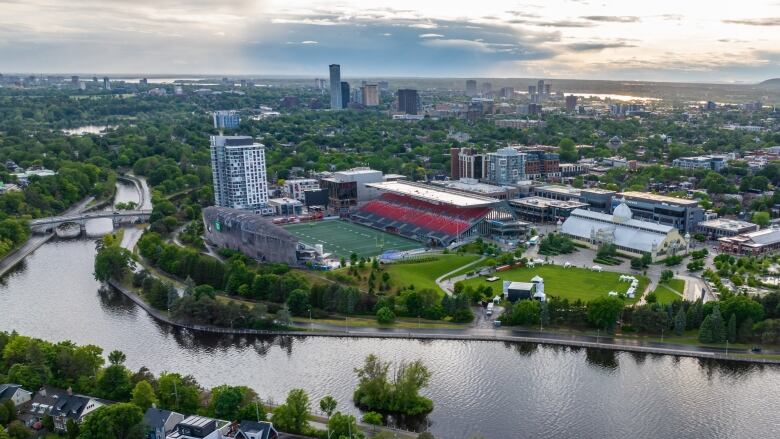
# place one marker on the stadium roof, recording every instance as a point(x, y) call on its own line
point(433, 194)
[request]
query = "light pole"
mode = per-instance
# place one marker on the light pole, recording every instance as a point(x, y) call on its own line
point(311, 324)
point(727, 347)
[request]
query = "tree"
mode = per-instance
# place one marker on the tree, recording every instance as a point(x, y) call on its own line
point(705, 330)
point(227, 401)
point(112, 262)
point(761, 218)
point(372, 418)
point(544, 314)
point(679, 322)
point(385, 316)
point(328, 405)
point(604, 312)
point(568, 151)
point(114, 383)
point(143, 395)
point(732, 329)
point(17, 430)
point(525, 312)
point(666, 276)
point(293, 415)
point(718, 327)
point(117, 357)
point(120, 421)
point(342, 425)
point(298, 302)
point(72, 429)
point(177, 393)
point(646, 259)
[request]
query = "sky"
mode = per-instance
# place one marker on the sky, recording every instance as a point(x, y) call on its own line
point(658, 40)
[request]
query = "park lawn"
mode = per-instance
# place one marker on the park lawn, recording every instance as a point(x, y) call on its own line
point(424, 274)
point(667, 293)
point(483, 263)
point(570, 283)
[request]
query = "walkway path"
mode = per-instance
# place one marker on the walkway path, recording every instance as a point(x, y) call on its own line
point(449, 284)
point(471, 334)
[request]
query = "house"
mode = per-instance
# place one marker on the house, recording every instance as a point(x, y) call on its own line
point(14, 393)
point(199, 427)
point(254, 430)
point(61, 405)
point(160, 422)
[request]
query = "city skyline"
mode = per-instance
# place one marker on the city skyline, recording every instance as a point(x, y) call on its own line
point(665, 41)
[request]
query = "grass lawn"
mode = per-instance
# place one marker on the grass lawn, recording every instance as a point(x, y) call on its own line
point(668, 292)
point(571, 283)
point(483, 263)
point(341, 238)
point(423, 274)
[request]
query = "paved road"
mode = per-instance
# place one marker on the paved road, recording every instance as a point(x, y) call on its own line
point(448, 285)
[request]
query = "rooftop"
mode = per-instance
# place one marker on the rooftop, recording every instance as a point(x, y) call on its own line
point(543, 202)
point(433, 194)
point(472, 185)
point(727, 224)
point(659, 198)
point(566, 190)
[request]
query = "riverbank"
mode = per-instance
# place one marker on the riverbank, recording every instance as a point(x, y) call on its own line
point(503, 335)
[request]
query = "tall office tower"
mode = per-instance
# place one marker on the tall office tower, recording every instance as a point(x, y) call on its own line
point(106, 83)
point(547, 89)
point(571, 103)
point(540, 89)
point(487, 88)
point(74, 81)
point(370, 95)
point(335, 87)
point(471, 87)
point(507, 92)
point(531, 90)
point(407, 101)
point(383, 86)
point(238, 169)
point(344, 94)
point(226, 119)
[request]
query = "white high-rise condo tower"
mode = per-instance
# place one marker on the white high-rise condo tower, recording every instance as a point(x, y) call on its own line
point(238, 168)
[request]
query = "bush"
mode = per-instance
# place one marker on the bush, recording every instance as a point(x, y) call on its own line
point(385, 316)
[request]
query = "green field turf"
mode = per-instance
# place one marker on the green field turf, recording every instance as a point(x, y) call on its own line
point(424, 274)
point(665, 293)
point(341, 238)
point(571, 283)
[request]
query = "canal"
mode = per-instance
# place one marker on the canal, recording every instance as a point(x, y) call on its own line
point(491, 389)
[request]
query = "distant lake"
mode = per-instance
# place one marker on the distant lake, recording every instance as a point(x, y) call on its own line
point(614, 97)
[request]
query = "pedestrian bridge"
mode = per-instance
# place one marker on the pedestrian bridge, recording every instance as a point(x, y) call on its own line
point(43, 225)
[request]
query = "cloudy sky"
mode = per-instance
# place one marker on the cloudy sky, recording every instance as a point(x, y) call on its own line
point(667, 40)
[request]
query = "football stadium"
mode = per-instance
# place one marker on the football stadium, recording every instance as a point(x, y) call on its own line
point(436, 216)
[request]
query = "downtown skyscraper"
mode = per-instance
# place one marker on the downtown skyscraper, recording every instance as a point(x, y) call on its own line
point(335, 87)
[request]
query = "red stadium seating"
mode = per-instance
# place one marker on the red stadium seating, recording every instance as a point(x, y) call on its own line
point(431, 218)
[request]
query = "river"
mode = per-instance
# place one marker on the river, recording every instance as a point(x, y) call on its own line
point(491, 389)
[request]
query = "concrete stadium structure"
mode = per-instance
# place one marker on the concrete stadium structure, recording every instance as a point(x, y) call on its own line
point(254, 236)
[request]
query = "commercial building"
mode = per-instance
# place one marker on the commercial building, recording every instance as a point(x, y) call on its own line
point(541, 165)
point(238, 170)
point(361, 176)
point(571, 103)
point(505, 166)
point(520, 124)
point(335, 87)
point(253, 235)
point(507, 92)
point(714, 162)
point(544, 210)
point(720, 227)
point(679, 213)
point(471, 87)
point(370, 95)
point(295, 188)
point(285, 206)
point(473, 186)
point(408, 101)
point(106, 83)
point(466, 163)
point(753, 243)
point(595, 199)
point(629, 235)
point(226, 119)
point(344, 94)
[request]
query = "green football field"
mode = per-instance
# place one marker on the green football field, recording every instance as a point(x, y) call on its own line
point(341, 238)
